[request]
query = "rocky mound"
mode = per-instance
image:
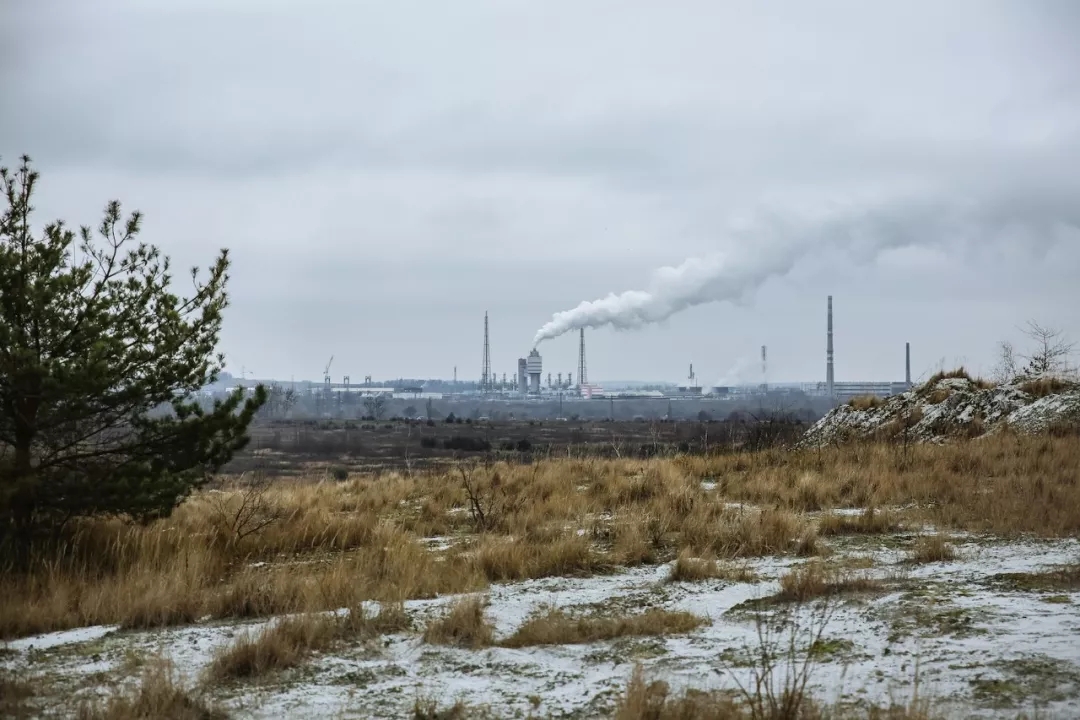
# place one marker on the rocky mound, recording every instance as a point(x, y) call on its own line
point(953, 405)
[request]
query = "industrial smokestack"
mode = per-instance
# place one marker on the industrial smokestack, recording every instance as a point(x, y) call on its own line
point(829, 356)
point(907, 360)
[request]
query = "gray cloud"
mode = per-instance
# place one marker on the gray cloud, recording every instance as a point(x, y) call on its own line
point(381, 166)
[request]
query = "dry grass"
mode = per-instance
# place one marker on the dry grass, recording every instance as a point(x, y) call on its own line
point(869, 522)
point(931, 548)
point(1041, 387)
point(15, 696)
point(158, 695)
point(865, 402)
point(464, 625)
point(557, 627)
point(688, 568)
point(644, 700)
point(338, 544)
point(654, 701)
point(1066, 577)
point(814, 580)
point(280, 645)
point(288, 642)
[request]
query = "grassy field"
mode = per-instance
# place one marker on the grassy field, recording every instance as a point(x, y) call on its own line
point(302, 447)
point(278, 582)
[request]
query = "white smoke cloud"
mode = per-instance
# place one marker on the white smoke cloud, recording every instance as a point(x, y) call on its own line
point(774, 242)
point(733, 374)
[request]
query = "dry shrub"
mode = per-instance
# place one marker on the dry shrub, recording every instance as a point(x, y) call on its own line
point(159, 696)
point(865, 402)
point(931, 548)
point(556, 627)
point(653, 701)
point(464, 625)
point(280, 645)
point(814, 580)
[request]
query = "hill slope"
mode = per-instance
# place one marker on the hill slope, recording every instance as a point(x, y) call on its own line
point(953, 405)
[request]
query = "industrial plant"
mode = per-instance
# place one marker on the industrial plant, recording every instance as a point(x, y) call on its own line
point(530, 385)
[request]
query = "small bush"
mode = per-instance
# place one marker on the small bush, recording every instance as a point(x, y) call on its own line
point(464, 626)
point(428, 442)
point(931, 548)
point(340, 473)
point(688, 568)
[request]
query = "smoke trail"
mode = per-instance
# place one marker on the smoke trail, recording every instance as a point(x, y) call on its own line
point(773, 243)
point(734, 373)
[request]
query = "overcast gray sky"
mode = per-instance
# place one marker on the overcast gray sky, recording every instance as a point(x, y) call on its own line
point(384, 172)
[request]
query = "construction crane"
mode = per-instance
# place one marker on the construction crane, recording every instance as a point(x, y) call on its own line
point(326, 374)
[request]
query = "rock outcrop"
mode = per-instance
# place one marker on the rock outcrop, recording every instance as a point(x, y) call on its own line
point(953, 405)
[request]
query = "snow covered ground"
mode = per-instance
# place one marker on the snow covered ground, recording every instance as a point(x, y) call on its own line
point(981, 648)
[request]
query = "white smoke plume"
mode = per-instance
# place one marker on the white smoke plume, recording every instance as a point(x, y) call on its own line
point(773, 243)
point(733, 375)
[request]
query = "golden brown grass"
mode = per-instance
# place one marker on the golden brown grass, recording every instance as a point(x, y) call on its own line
point(931, 548)
point(289, 641)
point(654, 701)
point(158, 695)
point(688, 568)
point(814, 580)
point(280, 645)
point(865, 402)
point(557, 627)
point(869, 522)
point(338, 544)
point(1041, 387)
point(464, 625)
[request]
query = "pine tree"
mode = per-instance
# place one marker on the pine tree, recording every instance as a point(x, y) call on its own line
point(99, 361)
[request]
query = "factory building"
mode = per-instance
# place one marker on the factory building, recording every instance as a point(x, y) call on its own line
point(534, 368)
point(522, 377)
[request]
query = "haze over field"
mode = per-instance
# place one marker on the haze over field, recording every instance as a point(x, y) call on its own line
point(385, 173)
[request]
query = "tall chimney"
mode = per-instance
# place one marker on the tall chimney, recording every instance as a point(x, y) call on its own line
point(907, 359)
point(829, 356)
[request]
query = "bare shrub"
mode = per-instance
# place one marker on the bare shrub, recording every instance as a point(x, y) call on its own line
point(247, 510)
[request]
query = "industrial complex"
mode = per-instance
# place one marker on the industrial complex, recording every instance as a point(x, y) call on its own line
point(531, 383)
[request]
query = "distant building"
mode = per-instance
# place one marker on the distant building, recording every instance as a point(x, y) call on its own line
point(847, 390)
